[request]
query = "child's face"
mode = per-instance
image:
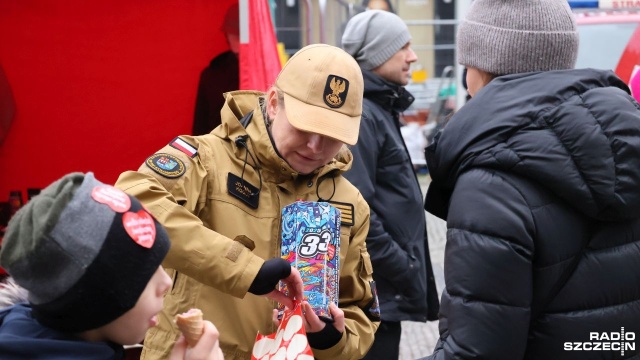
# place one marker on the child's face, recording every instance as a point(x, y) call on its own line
point(130, 328)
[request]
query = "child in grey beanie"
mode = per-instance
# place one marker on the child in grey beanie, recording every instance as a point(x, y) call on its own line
point(371, 47)
point(89, 256)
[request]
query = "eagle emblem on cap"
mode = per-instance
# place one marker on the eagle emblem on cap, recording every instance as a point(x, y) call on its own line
point(335, 91)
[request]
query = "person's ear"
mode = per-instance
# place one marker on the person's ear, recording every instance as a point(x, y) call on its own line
point(272, 103)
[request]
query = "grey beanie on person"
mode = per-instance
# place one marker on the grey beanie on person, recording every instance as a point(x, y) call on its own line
point(84, 251)
point(517, 36)
point(372, 37)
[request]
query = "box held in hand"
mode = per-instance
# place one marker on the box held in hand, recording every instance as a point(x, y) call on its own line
point(311, 244)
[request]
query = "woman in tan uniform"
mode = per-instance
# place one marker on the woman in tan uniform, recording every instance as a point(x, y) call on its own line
point(220, 197)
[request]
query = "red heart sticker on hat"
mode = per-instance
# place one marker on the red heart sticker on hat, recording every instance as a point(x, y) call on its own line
point(140, 227)
point(116, 199)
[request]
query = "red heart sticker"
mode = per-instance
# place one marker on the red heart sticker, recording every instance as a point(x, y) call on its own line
point(140, 227)
point(116, 199)
point(288, 342)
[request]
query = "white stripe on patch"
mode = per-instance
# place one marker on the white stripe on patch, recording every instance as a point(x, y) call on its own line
point(184, 146)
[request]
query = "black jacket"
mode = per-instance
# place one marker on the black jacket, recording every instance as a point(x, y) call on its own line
point(22, 337)
point(538, 178)
point(397, 239)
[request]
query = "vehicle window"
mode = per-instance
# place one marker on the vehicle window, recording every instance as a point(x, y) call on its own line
point(601, 45)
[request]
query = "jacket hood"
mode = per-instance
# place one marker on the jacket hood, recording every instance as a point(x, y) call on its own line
point(389, 95)
point(575, 132)
point(240, 103)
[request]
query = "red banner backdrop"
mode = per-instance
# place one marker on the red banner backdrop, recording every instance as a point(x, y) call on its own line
point(100, 85)
point(259, 59)
point(7, 105)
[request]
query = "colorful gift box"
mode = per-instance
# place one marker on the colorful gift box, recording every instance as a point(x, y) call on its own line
point(311, 243)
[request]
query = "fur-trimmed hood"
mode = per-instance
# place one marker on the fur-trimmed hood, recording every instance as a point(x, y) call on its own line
point(11, 293)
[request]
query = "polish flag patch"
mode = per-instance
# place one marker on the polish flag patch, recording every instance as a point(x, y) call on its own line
point(184, 146)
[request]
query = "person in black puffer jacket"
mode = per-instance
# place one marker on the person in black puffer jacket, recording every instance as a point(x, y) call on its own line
point(538, 178)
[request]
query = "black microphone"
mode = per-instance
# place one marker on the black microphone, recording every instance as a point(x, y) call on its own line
point(241, 141)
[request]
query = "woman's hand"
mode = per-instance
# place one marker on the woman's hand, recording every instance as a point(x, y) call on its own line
point(312, 323)
point(294, 285)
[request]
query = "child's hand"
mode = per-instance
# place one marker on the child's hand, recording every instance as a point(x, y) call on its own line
point(207, 348)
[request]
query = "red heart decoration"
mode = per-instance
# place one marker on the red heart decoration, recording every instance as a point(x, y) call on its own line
point(140, 227)
point(288, 342)
point(116, 199)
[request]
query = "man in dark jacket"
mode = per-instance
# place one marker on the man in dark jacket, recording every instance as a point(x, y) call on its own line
point(538, 178)
point(383, 172)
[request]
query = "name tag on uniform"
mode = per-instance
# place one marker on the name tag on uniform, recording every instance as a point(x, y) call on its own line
point(244, 191)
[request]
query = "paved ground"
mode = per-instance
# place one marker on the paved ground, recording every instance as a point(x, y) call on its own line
point(418, 339)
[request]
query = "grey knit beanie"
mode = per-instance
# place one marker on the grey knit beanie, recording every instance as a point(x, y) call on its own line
point(516, 36)
point(374, 36)
point(84, 250)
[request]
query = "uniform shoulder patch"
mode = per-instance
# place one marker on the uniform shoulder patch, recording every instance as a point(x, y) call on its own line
point(184, 146)
point(166, 165)
point(346, 212)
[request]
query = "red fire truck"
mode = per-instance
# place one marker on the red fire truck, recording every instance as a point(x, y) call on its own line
point(610, 37)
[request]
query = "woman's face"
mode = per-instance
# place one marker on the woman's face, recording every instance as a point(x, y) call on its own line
point(303, 151)
point(476, 80)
